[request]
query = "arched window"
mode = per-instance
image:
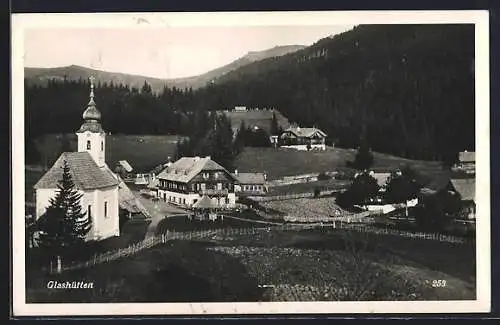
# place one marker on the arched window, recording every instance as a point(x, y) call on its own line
point(102, 145)
point(88, 144)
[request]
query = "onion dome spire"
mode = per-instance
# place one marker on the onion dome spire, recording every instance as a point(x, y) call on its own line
point(91, 115)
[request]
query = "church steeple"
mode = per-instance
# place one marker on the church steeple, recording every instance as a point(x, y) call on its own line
point(91, 136)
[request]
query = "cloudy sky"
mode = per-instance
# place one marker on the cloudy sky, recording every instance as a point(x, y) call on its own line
point(160, 52)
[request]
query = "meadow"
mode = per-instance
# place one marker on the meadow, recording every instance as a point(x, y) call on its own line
point(297, 265)
point(280, 162)
point(143, 152)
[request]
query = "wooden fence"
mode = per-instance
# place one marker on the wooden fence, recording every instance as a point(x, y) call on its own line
point(263, 226)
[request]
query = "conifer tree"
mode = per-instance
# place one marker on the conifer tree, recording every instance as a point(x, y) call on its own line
point(64, 225)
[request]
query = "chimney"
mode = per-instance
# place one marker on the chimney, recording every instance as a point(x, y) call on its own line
point(236, 172)
point(265, 176)
point(208, 157)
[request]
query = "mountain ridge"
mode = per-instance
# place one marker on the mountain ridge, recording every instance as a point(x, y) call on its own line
point(40, 75)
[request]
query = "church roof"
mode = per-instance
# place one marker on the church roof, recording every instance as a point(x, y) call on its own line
point(84, 171)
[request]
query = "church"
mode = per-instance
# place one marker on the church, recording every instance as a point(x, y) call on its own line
point(92, 177)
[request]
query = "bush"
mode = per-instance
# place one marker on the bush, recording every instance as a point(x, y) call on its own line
point(317, 191)
point(323, 177)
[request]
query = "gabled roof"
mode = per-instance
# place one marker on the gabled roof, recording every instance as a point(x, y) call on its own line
point(381, 178)
point(125, 165)
point(467, 156)
point(128, 201)
point(84, 171)
point(466, 187)
point(205, 203)
point(186, 168)
point(250, 178)
point(305, 132)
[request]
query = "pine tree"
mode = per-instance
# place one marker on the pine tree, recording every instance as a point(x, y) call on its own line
point(64, 225)
point(275, 128)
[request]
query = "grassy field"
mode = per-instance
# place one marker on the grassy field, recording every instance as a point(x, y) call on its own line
point(301, 265)
point(143, 152)
point(324, 185)
point(285, 162)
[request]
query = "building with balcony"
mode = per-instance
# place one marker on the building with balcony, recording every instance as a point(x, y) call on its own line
point(303, 139)
point(189, 179)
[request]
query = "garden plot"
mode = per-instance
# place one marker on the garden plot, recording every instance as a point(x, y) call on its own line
point(307, 209)
point(292, 274)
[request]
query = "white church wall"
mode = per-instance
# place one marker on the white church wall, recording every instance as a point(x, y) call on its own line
point(97, 146)
point(108, 221)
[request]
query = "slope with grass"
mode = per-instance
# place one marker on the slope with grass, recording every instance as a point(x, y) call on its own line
point(280, 162)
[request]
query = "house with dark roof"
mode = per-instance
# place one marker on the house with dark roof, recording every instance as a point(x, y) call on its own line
point(466, 187)
point(303, 138)
point(91, 176)
point(250, 183)
point(188, 179)
point(124, 169)
point(466, 162)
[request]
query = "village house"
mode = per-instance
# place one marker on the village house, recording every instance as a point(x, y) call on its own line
point(250, 183)
point(188, 179)
point(303, 138)
point(466, 187)
point(124, 169)
point(466, 162)
point(91, 176)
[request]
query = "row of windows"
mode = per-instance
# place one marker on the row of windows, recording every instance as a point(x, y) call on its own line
point(195, 186)
point(89, 145)
point(89, 210)
point(253, 187)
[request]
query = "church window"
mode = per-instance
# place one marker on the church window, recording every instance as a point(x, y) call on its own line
point(88, 145)
point(89, 211)
point(105, 209)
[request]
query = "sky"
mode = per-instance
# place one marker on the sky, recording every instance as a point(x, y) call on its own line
point(173, 52)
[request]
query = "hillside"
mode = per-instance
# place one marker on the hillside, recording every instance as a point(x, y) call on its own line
point(259, 118)
point(75, 72)
point(408, 89)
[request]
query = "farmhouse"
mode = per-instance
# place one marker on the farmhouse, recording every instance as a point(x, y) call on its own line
point(466, 187)
point(188, 179)
point(91, 175)
point(250, 183)
point(124, 169)
point(466, 162)
point(303, 138)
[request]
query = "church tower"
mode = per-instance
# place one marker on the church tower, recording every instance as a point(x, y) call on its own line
point(91, 136)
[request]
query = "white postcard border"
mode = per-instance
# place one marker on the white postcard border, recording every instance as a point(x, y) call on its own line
point(480, 18)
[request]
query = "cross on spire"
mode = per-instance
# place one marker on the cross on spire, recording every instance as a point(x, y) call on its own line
point(92, 78)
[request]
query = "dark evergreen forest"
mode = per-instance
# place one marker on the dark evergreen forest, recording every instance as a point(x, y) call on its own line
point(407, 90)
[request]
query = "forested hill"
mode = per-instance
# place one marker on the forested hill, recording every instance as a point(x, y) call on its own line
point(408, 88)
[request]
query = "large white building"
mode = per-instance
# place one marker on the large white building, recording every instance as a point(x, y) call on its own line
point(189, 179)
point(91, 175)
point(303, 139)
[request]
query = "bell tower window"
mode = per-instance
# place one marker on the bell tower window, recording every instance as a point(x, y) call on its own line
point(102, 145)
point(88, 145)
